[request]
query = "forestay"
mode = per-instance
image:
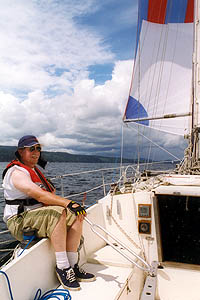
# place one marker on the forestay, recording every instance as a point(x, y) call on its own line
point(160, 94)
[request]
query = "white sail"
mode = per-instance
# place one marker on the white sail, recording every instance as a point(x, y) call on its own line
point(162, 78)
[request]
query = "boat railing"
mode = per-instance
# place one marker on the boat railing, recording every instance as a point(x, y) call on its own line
point(122, 170)
point(126, 173)
point(4, 231)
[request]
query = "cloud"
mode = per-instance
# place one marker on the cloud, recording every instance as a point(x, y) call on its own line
point(43, 47)
point(87, 121)
point(45, 88)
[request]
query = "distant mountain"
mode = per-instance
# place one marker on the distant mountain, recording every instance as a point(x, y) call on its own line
point(7, 153)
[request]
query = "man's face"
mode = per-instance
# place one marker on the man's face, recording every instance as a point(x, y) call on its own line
point(30, 155)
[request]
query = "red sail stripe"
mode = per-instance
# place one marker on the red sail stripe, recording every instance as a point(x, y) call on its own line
point(189, 17)
point(157, 11)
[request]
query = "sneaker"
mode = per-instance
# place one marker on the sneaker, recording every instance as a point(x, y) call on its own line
point(67, 279)
point(81, 275)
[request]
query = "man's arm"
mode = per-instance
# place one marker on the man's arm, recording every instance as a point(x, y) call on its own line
point(22, 182)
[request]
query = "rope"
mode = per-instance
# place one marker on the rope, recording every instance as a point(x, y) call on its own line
point(32, 238)
point(8, 282)
point(51, 294)
point(117, 224)
point(126, 235)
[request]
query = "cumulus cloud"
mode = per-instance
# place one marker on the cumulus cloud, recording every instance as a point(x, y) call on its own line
point(44, 80)
point(88, 120)
point(42, 47)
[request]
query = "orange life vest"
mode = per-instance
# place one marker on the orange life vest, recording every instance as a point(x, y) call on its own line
point(36, 176)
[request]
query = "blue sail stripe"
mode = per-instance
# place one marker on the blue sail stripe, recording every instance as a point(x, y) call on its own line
point(136, 110)
point(142, 15)
point(143, 11)
point(175, 12)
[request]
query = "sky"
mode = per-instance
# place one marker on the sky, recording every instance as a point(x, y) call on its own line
point(65, 74)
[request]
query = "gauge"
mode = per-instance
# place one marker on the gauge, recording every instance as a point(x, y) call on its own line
point(144, 210)
point(144, 226)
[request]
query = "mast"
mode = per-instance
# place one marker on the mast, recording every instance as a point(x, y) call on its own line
point(191, 162)
point(196, 89)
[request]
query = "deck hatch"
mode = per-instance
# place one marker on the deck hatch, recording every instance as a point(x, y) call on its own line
point(179, 226)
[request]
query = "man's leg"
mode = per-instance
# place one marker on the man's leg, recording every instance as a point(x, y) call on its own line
point(64, 271)
point(58, 236)
point(74, 235)
point(72, 244)
point(73, 240)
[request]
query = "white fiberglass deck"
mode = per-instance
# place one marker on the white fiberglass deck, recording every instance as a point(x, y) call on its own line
point(178, 284)
point(114, 277)
point(109, 282)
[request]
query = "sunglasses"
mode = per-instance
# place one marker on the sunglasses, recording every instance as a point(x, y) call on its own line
point(33, 148)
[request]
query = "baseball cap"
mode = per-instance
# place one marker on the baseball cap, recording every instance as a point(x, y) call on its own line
point(27, 141)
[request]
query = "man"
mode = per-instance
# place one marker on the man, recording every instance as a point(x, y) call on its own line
point(32, 203)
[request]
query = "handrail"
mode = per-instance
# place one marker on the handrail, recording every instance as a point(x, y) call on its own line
point(86, 172)
point(5, 231)
point(87, 191)
point(6, 242)
point(147, 267)
point(113, 168)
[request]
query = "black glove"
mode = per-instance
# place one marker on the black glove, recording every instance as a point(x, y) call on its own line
point(76, 208)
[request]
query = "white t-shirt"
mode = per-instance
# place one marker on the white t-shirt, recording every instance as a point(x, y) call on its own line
point(11, 193)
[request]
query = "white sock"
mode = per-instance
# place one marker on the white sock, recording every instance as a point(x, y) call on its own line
point(62, 261)
point(73, 258)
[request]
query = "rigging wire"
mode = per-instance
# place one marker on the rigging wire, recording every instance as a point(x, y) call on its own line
point(177, 158)
point(138, 87)
point(122, 147)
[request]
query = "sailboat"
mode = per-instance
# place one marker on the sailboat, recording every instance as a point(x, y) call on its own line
point(142, 239)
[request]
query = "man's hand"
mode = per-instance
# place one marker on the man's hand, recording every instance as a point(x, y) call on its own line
point(76, 208)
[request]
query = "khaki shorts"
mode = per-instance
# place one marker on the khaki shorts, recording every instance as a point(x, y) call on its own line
point(43, 219)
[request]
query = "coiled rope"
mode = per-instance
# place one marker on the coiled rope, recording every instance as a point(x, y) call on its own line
point(52, 294)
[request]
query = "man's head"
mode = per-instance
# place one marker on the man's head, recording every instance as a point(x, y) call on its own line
point(27, 141)
point(29, 150)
